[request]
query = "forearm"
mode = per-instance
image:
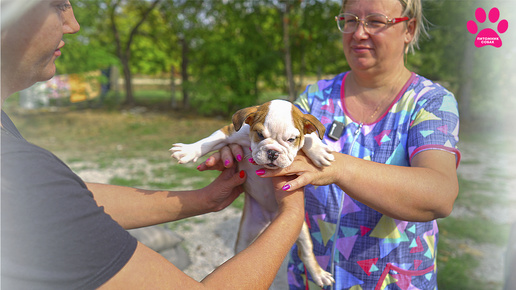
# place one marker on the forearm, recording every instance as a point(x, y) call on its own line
point(252, 268)
point(417, 193)
point(133, 208)
point(262, 259)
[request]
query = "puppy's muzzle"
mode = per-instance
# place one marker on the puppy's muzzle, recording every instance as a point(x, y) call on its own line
point(272, 155)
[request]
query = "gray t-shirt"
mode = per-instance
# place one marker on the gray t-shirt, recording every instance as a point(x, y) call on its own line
point(54, 235)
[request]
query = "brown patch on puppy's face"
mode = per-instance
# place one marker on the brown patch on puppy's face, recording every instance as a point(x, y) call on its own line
point(307, 123)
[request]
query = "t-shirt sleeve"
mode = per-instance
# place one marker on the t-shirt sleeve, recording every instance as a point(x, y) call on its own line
point(434, 123)
point(54, 235)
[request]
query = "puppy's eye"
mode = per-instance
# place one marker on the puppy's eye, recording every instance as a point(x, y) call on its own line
point(291, 140)
point(260, 135)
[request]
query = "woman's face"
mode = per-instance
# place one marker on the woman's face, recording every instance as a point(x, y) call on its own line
point(31, 45)
point(382, 51)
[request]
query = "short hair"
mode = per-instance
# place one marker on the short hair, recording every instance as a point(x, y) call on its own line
point(414, 10)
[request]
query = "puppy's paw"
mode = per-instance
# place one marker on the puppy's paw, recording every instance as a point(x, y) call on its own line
point(323, 278)
point(185, 153)
point(321, 155)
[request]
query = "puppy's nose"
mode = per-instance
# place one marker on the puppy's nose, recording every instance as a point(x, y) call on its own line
point(272, 154)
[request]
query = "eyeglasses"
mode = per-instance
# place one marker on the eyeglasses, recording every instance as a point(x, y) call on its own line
point(373, 23)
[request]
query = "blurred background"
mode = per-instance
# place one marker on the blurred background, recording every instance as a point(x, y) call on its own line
point(143, 74)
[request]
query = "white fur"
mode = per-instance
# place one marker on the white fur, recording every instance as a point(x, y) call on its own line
point(260, 206)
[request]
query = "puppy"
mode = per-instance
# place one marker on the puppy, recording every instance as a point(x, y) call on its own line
point(270, 134)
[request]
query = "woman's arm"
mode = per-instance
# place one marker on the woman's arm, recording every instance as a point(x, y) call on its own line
point(253, 268)
point(422, 192)
point(133, 208)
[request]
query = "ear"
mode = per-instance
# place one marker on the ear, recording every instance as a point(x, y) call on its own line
point(244, 115)
point(411, 31)
point(312, 124)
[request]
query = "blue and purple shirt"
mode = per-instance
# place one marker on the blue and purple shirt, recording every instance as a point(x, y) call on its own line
point(363, 248)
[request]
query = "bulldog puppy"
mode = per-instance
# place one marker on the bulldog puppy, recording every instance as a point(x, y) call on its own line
point(270, 134)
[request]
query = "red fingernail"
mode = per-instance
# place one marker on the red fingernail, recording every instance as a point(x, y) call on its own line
point(251, 160)
point(260, 172)
point(226, 163)
point(239, 157)
point(242, 174)
point(199, 167)
point(286, 187)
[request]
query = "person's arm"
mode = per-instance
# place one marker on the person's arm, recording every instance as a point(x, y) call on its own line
point(422, 192)
point(253, 268)
point(133, 208)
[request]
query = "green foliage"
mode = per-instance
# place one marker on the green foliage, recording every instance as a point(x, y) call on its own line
point(231, 52)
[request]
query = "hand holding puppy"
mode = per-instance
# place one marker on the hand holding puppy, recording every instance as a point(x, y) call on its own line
point(304, 171)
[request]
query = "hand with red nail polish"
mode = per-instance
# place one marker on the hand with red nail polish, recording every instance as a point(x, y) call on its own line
point(225, 188)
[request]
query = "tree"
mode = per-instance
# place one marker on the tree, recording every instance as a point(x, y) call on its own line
point(182, 18)
point(239, 48)
point(123, 46)
point(292, 94)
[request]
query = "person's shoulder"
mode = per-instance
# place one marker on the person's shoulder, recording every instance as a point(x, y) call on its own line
point(26, 164)
point(426, 90)
point(330, 81)
point(325, 86)
point(423, 84)
point(15, 147)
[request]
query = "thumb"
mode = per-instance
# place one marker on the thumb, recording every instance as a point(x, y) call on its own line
point(235, 177)
point(240, 177)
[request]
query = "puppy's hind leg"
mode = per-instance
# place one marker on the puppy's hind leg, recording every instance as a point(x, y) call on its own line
point(253, 223)
point(306, 254)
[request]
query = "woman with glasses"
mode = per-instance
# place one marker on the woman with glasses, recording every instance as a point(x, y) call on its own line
point(372, 213)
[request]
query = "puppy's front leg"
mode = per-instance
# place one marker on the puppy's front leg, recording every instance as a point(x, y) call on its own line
point(185, 153)
point(317, 151)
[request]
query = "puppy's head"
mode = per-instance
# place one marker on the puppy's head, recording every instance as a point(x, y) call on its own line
point(277, 131)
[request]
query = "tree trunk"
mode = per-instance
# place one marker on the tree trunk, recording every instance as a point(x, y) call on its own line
point(128, 83)
point(288, 56)
point(123, 50)
point(173, 102)
point(184, 73)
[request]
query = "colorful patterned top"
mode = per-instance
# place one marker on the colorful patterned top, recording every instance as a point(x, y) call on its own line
point(371, 250)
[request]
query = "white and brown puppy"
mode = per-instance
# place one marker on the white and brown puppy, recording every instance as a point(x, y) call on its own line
point(270, 134)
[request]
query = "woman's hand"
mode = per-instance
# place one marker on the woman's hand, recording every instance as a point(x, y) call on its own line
point(306, 172)
point(288, 198)
point(224, 158)
point(224, 189)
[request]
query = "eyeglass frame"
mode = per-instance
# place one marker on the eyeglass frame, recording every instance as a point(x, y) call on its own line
point(364, 23)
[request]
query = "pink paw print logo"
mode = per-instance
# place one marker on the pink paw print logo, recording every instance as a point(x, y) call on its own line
point(488, 36)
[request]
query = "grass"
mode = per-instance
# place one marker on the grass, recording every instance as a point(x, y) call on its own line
point(104, 137)
point(457, 259)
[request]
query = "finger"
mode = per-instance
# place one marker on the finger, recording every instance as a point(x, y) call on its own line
point(235, 177)
point(263, 172)
point(297, 183)
point(237, 151)
point(212, 163)
point(226, 156)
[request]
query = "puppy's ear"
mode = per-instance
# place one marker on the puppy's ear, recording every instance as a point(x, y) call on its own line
point(312, 124)
point(242, 116)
